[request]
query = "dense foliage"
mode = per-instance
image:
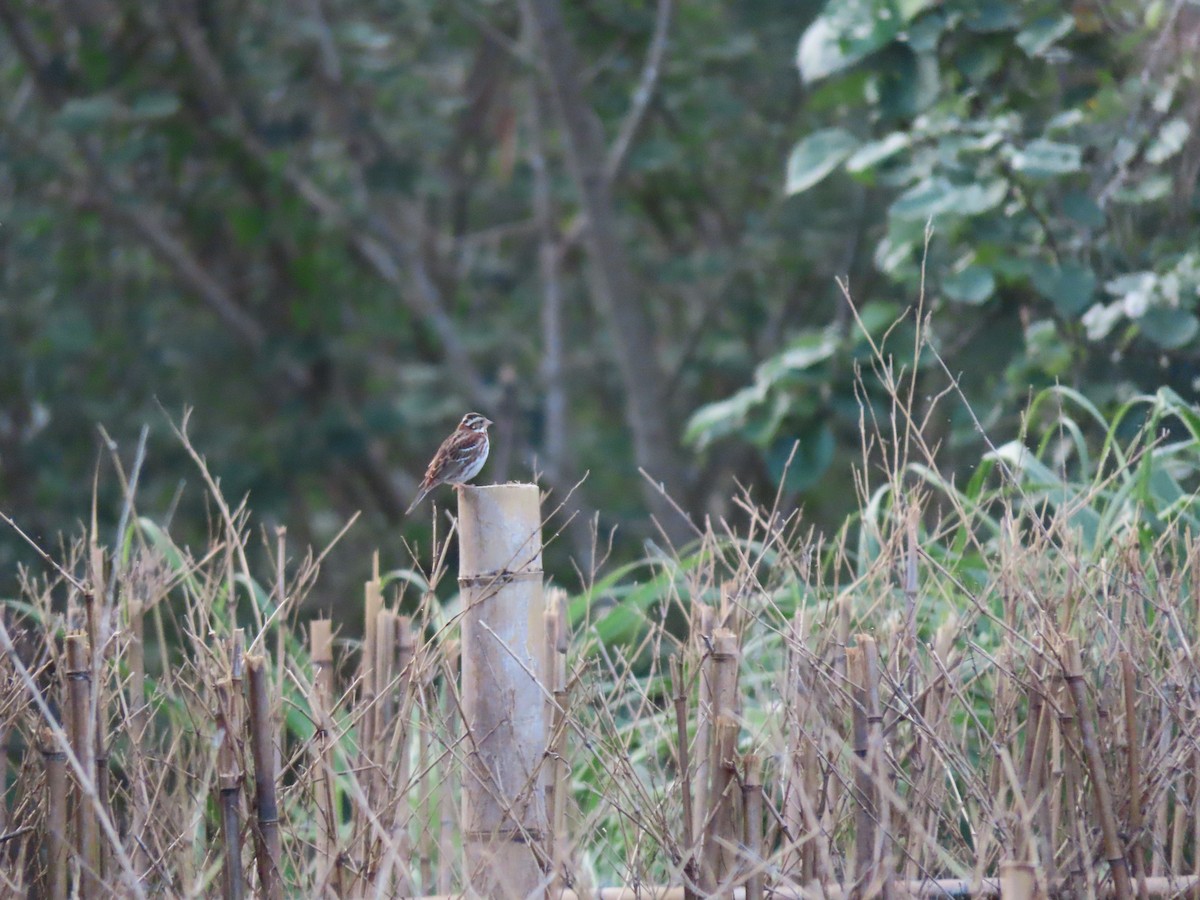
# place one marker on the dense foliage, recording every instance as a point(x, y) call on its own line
point(331, 227)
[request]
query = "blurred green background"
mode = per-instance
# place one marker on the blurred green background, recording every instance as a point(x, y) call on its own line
point(334, 227)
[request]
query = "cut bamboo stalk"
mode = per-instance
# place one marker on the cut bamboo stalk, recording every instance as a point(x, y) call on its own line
point(558, 786)
point(54, 759)
point(1133, 773)
point(865, 817)
point(229, 779)
point(1077, 873)
point(702, 629)
point(812, 860)
point(93, 863)
point(722, 832)
point(680, 700)
point(320, 637)
point(794, 820)
point(1037, 793)
point(269, 847)
point(381, 714)
point(426, 814)
point(1018, 881)
point(139, 719)
point(1159, 840)
point(79, 697)
point(1095, 761)
point(752, 806)
point(721, 836)
point(397, 755)
point(503, 643)
point(881, 852)
point(922, 889)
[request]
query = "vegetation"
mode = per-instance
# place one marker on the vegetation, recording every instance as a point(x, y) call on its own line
point(927, 547)
point(980, 621)
point(332, 229)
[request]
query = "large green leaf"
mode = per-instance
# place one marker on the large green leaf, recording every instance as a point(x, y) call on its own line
point(973, 285)
point(1169, 328)
point(1070, 287)
point(1042, 158)
point(816, 156)
point(848, 31)
point(938, 196)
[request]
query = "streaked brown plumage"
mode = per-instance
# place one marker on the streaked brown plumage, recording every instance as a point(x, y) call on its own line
point(460, 457)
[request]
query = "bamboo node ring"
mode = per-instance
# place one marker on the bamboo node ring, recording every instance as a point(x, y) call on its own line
point(500, 576)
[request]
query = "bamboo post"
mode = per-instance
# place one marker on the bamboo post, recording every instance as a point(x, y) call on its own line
point(270, 850)
point(503, 657)
point(55, 761)
point(79, 697)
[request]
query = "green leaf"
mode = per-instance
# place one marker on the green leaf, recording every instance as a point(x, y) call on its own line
point(1083, 209)
point(1070, 287)
point(1169, 328)
point(1170, 139)
point(717, 420)
point(848, 31)
point(803, 354)
point(86, 113)
point(155, 106)
point(869, 155)
point(811, 460)
point(1037, 38)
point(973, 285)
point(816, 156)
point(937, 196)
point(1042, 158)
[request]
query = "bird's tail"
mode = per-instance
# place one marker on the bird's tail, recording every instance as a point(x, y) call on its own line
point(420, 496)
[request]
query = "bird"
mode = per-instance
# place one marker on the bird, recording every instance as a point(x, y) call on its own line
point(460, 457)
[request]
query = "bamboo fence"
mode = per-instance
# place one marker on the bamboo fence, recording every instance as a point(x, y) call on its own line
point(501, 749)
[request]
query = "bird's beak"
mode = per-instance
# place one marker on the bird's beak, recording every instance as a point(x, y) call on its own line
point(488, 422)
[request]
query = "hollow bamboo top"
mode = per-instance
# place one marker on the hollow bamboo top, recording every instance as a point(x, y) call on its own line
point(499, 529)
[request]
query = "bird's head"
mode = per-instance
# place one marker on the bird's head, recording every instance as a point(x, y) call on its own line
point(474, 422)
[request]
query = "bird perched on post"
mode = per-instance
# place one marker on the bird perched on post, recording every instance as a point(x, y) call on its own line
point(460, 457)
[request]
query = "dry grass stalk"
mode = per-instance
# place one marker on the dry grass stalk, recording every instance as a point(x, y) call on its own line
point(269, 849)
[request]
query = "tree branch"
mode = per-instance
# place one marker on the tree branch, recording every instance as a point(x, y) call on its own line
point(647, 408)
